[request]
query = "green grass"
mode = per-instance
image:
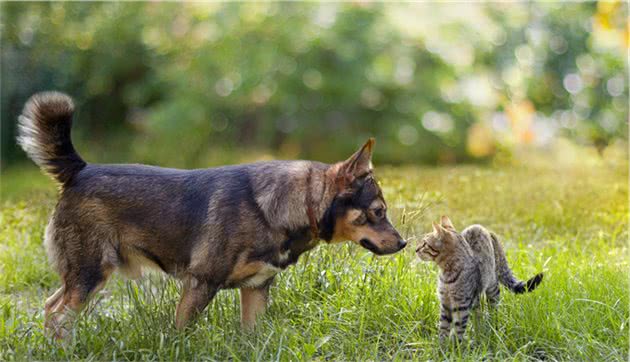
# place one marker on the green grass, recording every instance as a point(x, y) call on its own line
point(568, 218)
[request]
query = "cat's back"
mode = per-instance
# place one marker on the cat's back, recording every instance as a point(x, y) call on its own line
point(479, 238)
point(480, 241)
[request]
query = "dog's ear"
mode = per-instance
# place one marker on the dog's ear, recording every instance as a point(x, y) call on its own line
point(359, 164)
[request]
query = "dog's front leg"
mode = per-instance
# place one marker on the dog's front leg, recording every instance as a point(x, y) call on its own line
point(253, 304)
point(196, 295)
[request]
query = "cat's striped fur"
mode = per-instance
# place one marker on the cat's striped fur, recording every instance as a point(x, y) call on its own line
point(471, 263)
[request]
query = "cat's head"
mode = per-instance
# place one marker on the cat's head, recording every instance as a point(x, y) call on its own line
point(443, 240)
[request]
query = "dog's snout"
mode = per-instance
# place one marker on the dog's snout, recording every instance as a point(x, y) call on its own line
point(401, 243)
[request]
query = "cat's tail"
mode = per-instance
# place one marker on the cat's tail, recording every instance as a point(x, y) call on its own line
point(506, 277)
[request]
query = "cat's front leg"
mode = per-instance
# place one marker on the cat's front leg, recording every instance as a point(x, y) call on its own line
point(445, 322)
point(460, 320)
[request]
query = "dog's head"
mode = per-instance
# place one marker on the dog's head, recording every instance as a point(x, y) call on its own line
point(359, 211)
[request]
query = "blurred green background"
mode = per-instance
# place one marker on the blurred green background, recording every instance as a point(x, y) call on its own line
point(198, 84)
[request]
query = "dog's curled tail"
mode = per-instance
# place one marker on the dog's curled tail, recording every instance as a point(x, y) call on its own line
point(44, 134)
point(506, 277)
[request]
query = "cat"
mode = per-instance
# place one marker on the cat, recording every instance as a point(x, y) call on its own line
point(471, 263)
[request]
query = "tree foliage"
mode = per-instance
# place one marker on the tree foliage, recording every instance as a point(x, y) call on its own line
point(180, 83)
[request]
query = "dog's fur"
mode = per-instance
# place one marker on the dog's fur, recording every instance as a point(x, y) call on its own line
point(224, 227)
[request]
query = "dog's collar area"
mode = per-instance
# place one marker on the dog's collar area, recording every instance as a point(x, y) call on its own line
point(312, 219)
point(310, 211)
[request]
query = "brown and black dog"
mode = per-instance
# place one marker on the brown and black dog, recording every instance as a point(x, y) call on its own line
point(225, 227)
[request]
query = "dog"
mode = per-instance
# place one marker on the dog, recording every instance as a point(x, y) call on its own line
point(225, 227)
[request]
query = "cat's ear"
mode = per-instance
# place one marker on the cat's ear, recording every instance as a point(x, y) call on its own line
point(446, 223)
point(439, 229)
point(440, 232)
point(436, 227)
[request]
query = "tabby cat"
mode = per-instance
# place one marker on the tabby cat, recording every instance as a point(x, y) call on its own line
point(471, 263)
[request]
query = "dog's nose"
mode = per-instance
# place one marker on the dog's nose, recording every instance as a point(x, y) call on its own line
point(401, 243)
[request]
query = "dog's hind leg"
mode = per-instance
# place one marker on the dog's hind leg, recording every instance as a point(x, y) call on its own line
point(63, 306)
point(196, 295)
point(53, 300)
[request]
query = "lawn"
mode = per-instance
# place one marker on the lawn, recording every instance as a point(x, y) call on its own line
point(563, 212)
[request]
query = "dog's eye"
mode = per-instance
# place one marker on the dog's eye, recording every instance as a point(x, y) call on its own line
point(362, 219)
point(379, 213)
